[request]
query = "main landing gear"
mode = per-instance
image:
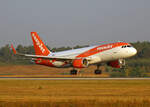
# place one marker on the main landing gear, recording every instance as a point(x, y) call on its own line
point(73, 72)
point(98, 71)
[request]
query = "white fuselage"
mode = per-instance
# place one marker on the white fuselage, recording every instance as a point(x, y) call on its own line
point(107, 55)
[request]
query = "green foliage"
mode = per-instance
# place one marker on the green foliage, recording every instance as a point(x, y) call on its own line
point(25, 49)
point(137, 72)
point(138, 62)
point(76, 47)
point(129, 72)
point(60, 49)
point(117, 74)
point(143, 49)
point(7, 57)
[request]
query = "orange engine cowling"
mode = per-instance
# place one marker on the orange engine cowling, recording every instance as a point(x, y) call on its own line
point(80, 63)
point(114, 64)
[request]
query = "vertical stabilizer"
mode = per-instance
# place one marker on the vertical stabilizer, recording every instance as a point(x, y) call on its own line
point(39, 46)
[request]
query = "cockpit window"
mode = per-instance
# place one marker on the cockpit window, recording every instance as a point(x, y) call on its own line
point(129, 46)
point(126, 46)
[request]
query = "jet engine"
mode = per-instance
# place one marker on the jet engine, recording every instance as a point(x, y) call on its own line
point(117, 63)
point(80, 63)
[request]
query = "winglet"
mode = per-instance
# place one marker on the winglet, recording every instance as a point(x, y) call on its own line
point(13, 49)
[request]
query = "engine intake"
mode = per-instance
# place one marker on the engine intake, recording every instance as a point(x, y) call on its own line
point(80, 63)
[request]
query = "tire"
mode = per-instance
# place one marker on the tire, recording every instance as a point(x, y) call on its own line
point(98, 72)
point(73, 72)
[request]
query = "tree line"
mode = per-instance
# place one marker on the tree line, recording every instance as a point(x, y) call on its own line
point(141, 59)
point(138, 65)
point(7, 56)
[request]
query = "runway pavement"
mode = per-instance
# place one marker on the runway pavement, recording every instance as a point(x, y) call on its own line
point(15, 78)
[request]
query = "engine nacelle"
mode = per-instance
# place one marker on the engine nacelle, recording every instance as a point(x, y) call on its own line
point(80, 63)
point(117, 64)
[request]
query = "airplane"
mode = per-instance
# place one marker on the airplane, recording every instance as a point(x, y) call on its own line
point(113, 54)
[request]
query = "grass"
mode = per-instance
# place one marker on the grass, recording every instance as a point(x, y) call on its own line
point(72, 93)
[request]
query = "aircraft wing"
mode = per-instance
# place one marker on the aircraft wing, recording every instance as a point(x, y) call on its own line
point(44, 57)
point(49, 57)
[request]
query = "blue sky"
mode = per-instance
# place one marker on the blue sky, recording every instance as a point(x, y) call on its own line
point(74, 22)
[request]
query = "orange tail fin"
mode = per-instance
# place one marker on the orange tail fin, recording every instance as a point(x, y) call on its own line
point(40, 48)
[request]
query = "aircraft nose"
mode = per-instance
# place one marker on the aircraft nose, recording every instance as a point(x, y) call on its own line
point(133, 51)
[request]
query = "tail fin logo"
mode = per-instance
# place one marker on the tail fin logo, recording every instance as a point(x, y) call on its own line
point(40, 45)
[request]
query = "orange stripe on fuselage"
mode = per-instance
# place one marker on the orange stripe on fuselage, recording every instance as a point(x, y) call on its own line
point(101, 48)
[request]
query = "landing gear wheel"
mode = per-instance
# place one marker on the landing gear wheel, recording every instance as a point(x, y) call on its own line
point(73, 72)
point(98, 71)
